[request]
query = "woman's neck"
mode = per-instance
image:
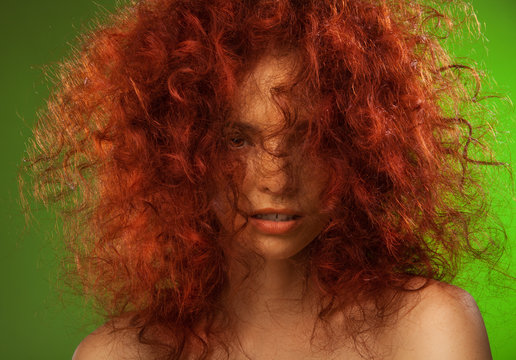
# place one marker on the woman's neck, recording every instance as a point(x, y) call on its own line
point(269, 293)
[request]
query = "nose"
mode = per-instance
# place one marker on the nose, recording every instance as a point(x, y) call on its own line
point(273, 171)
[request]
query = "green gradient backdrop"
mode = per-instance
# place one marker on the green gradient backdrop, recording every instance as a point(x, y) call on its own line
point(35, 324)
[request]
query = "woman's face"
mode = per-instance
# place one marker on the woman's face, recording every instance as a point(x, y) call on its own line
point(269, 188)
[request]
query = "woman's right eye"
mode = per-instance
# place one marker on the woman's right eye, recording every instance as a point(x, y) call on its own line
point(237, 141)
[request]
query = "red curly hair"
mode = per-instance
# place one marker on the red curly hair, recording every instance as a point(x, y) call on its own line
point(132, 144)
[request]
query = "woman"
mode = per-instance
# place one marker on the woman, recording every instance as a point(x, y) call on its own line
point(271, 179)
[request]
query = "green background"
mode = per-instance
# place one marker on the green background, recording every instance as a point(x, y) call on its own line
point(36, 322)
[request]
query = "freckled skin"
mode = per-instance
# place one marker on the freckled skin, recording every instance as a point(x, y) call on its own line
point(266, 182)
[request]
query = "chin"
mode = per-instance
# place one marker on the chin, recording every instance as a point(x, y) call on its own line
point(277, 248)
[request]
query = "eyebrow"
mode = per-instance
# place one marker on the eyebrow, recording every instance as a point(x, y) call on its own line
point(245, 126)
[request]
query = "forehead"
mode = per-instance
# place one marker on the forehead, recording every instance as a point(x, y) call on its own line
point(256, 104)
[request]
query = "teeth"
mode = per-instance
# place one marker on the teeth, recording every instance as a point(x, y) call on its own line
point(275, 217)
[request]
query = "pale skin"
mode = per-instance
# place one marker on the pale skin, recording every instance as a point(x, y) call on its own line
point(273, 313)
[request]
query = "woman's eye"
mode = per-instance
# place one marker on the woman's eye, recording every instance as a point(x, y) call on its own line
point(237, 142)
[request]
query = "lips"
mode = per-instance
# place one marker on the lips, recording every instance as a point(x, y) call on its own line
point(275, 217)
point(282, 211)
point(275, 221)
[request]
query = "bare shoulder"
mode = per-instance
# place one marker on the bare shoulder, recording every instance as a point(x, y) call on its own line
point(441, 321)
point(105, 343)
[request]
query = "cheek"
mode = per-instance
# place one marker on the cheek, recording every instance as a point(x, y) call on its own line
point(221, 193)
point(222, 209)
point(316, 182)
point(228, 217)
